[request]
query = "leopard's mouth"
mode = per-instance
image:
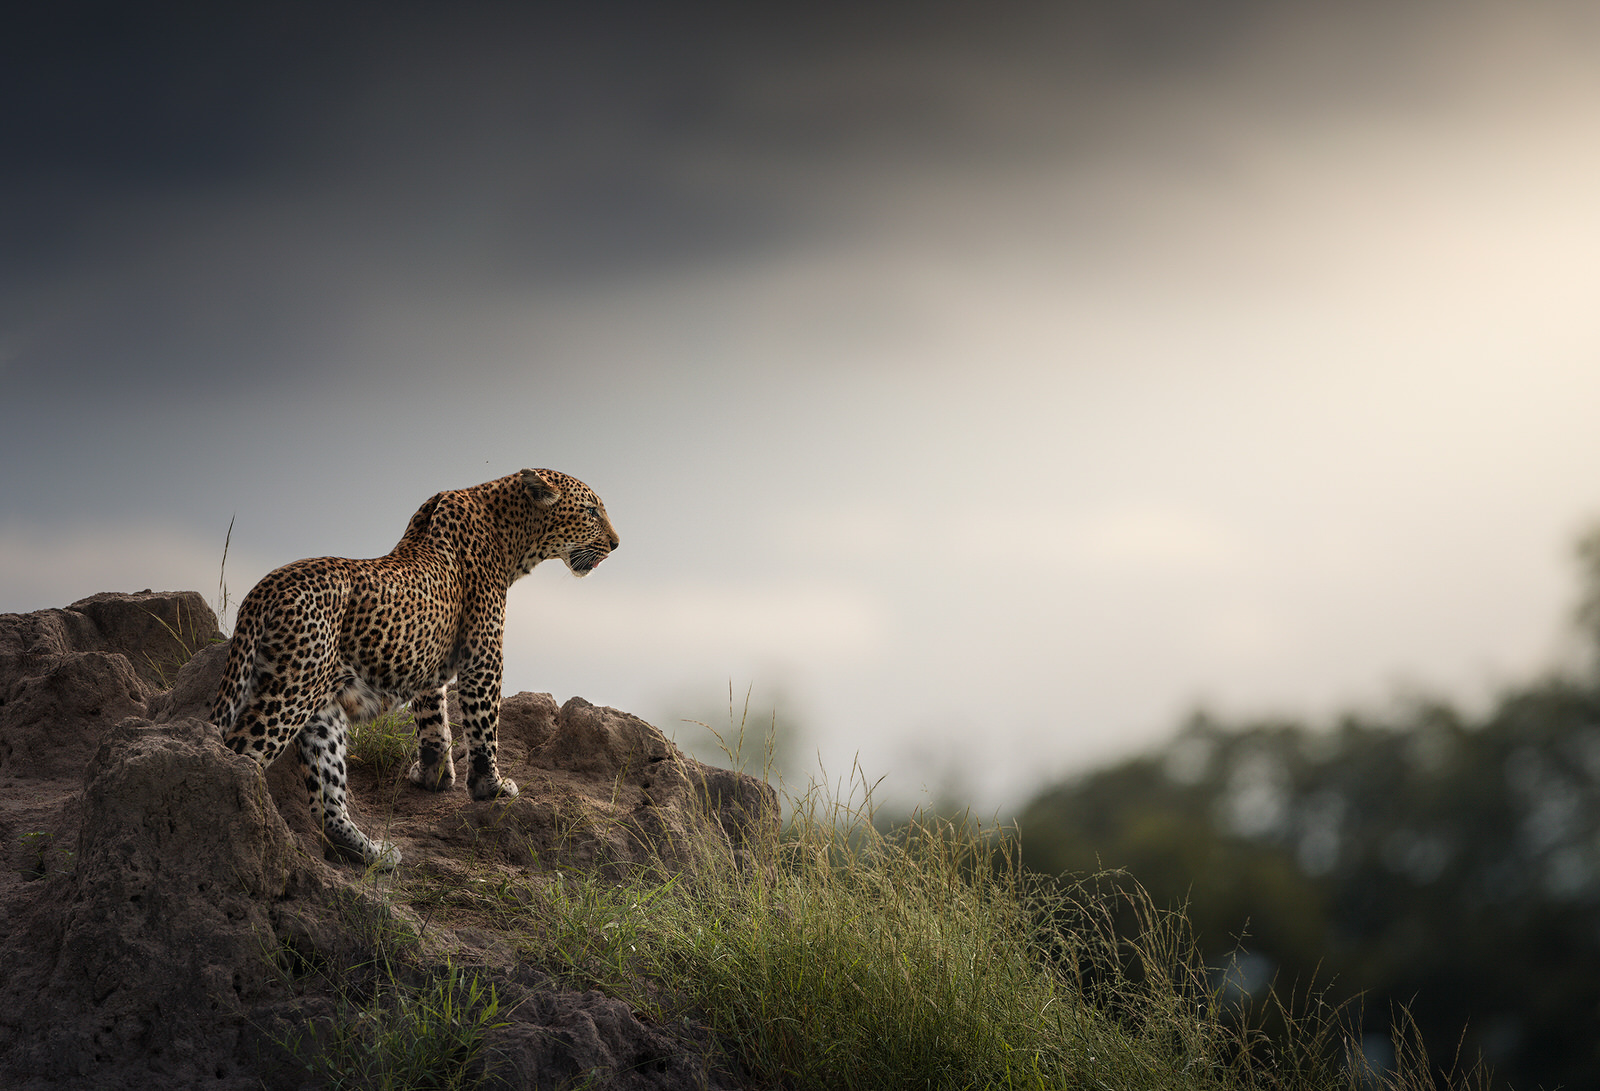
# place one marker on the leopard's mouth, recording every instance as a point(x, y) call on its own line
point(583, 561)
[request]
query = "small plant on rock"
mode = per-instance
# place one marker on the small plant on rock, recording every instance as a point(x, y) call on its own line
point(166, 667)
point(406, 1036)
point(38, 846)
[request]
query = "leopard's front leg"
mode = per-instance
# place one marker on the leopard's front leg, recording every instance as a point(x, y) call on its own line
point(434, 768)
point(479, 693)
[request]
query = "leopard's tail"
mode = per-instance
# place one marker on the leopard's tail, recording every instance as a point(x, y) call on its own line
point(238, 678)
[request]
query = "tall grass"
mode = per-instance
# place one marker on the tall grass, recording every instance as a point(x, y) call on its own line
point(166, 667)
point(926, 958)
point(839, 954)
point(221, 603)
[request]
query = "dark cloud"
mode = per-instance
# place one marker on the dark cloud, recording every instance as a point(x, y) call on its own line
point(213, 189)
point(110, 103)
point(145, 95)
point(217, 191)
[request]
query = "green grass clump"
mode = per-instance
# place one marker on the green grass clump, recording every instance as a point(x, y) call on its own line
point(877, 962)
point(386, 742)
point(427, 1036)
point(399, 1023)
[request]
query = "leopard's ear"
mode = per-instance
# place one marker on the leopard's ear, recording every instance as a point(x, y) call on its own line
point(544, 493)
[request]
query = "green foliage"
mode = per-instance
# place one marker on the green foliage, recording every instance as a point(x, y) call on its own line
point(407, 1036)
point(398, 1024)
point(842, 955)
point(387, 742)
point(38, 847)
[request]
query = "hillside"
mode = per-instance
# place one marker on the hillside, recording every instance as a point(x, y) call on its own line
point(634, 919)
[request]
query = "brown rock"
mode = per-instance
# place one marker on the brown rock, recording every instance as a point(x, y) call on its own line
point(604, 789)
point(51, 722)
point(194, 687)
point(159, 939)
point(157, 630)
point(66, 676)
point(557, 1037)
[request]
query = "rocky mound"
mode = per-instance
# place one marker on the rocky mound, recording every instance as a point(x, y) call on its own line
point(153, 880)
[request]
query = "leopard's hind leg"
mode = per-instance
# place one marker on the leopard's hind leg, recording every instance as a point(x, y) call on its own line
point(273, 712)
point(324, 748)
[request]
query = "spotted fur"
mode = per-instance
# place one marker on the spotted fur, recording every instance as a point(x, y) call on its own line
point(321, 641)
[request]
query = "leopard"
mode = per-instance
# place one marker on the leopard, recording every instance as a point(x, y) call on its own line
point(327, 641)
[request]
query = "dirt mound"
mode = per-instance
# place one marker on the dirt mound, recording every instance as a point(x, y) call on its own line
point(155, 884)
point(68, 675)
point(147, 937)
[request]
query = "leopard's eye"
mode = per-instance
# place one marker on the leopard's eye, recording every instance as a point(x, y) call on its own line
point(592, 510)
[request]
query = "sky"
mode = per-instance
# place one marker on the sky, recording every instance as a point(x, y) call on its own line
point(979, 388)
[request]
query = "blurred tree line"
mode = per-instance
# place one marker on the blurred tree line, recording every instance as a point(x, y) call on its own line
point(1426, 858)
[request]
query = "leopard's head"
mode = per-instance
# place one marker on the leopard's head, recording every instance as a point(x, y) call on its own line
point(576, 527)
